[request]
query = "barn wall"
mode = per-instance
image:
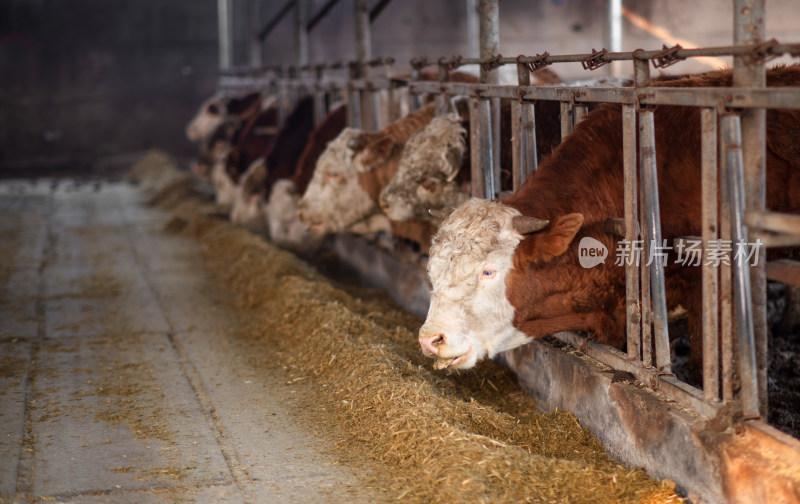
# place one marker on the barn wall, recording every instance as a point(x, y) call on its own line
point(81, 80)
point(84, 79)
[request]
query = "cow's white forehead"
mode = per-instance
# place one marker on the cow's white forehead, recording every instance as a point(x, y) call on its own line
point(337, 156)
point(476, 233)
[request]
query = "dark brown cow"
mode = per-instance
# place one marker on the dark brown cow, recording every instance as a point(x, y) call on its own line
point(503, 273)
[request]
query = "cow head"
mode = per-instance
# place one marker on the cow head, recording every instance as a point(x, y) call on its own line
point(425, 178)
point(214, 111)
point(285, 227)
point(334, 200)
point(470, 316)
point(250, 198)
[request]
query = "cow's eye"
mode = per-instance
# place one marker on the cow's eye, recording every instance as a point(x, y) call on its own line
point(488, 273)
point(431, 184)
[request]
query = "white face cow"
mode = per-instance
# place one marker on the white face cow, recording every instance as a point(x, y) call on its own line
point(285, 227)
point(470, 318)
point(425, 177)
point(334, 201)
point(218, 109)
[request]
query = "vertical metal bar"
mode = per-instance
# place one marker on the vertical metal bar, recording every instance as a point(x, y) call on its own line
point(566, 120)
point(392, 106)
point(633, 306)
point(442, 104)
point(526, 133)
point(741, 278)
point(353, 100)
point(486, 149)
point(489, 19)
point(364, 54)
point(481, 158)
point(581, 111)
point(320, 105)
point(725, 281)
point(709, 191)
point(300, 33)
point(225, 28)
point(517, 144)
point(614, 33)
point(473, 42)
point(749, 71)
point(647, 146)
point(416, 100)
point(641, 77)
point(254, 14)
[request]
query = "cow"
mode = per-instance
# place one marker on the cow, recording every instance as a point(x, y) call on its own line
point(434, 173)
point(343, 193)
point(275, 213)
point(219, 109)
point(252, 139)
point(504, 273)
point(280, 148)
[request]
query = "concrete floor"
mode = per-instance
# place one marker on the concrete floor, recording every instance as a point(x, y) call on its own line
point(117, 380)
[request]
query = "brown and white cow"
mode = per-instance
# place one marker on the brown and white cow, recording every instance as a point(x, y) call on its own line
point(280, 150)
point(343, 193)
point(434, 172)
point(505, 273)
point(218, 109)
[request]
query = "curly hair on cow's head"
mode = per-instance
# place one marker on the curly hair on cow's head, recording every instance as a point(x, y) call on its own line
point(473, 234)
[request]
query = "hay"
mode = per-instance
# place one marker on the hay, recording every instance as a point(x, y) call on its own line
point(470, 437)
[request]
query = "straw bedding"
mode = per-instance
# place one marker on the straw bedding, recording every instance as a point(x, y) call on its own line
point(427, 436)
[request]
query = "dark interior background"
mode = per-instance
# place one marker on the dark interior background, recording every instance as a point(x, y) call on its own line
point(84, 83)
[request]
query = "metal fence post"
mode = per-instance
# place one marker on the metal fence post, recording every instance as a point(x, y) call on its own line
point(748, 71)
point(653, 244)
point(632, 302)
point(524, 132)
point(709, 190)
point(489, 19)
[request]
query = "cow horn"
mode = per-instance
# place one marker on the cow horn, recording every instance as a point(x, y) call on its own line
point(440, 213)
point(524, 225)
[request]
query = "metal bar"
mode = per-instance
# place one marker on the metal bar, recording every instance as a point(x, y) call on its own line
point(363, 55)
point(354, 115)
point(517, 145)
point(725, 280)
point(566, 120)
point(745, 336)
point(476, 141)
point(784, 270)
point(276, 19)
point(749, 71)
point(759, 220)
point(442, 104)
point(377, 9)
point(581, 111)
point(709, 224)
point(320, 100)
point(526, 148)
point(489, 36)
point(255, 45)
point(225, 28)
point(300, 34)
point(672, 388)
point(647, 147)
point(321, 13)
point(485, 149)
point(614, 32)
point(632, 303)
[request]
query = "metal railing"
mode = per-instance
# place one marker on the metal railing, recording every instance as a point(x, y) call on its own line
point(728, 321)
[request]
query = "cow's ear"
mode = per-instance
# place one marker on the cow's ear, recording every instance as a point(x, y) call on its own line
point(555, 240)
point(377, 152)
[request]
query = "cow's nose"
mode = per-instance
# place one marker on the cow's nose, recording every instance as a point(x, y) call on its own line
point(430, 343)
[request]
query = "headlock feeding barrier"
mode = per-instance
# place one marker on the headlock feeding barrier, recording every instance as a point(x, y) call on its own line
point(736, 227)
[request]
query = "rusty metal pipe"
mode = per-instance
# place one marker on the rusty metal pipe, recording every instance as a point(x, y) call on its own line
point(653, 244)
point(632, 304)
point(709, 192)
point(745, 337)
